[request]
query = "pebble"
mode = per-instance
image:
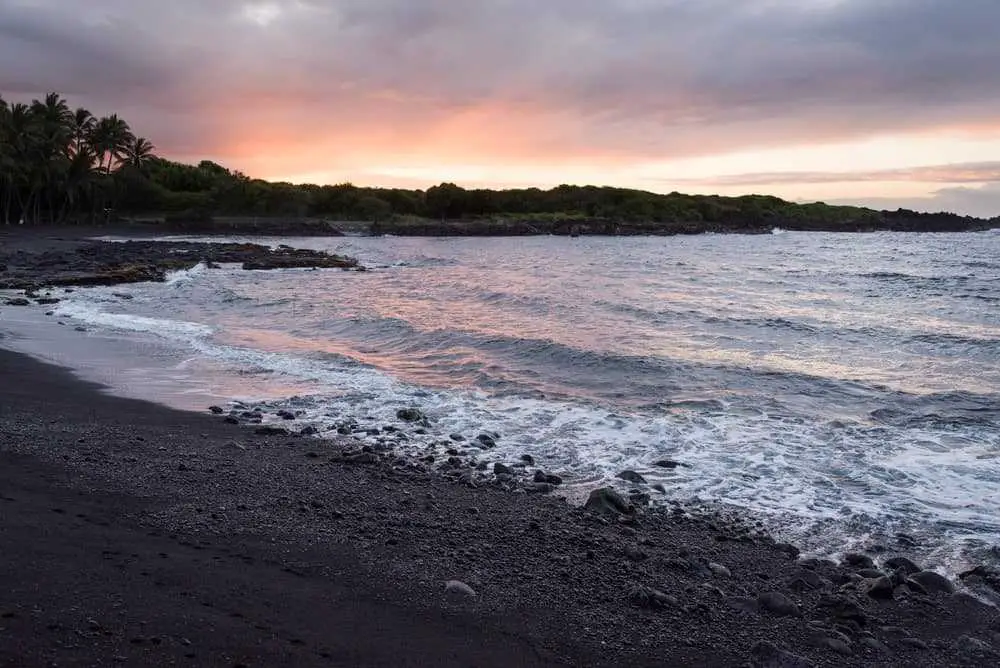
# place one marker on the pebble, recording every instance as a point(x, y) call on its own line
point(743, 604)
point(652, 599)
point(766, 655)
point(838, 645)
point(720, 571)
point(874, 644)
point(456, 590)
point(974, 647)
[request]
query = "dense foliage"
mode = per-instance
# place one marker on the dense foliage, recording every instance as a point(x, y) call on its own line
point(59, 165)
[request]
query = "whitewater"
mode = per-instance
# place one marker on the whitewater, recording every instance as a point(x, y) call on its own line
point(843, 388)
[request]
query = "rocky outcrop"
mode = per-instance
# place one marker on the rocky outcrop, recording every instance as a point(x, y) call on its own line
point(101, 263)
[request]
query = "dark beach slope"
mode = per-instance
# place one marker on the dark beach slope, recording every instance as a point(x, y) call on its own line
point(131, 534)
point(109, 555)
point(139, 535)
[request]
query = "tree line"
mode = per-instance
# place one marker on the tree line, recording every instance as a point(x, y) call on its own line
point(59, 164)
point(64, 165)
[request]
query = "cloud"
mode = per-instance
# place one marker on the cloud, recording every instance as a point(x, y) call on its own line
point(982, 201)
point(972, 172)
point(301, 85)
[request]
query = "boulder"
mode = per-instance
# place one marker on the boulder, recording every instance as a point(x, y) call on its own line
point(410, 415)
point(271, 431)
point(880, 588)
point(984, 576)
point(486, 441)
point(550, 478)
point(631, 476)
point(607, 501)
point(18, 301)
point(902, 564)
point(788, 549)
point(502, 469)
point(539, 488)
point(670, 464)
point(933, 582)
point(778, 604)
point(843, 609)
point(856, 560)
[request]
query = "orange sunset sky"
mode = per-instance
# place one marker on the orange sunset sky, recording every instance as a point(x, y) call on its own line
point(880, 102)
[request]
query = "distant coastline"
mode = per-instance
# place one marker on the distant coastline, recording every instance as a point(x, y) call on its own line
point(559, 225)
point(65, 167)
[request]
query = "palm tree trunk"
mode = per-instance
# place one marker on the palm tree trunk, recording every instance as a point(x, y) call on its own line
point(7, 201)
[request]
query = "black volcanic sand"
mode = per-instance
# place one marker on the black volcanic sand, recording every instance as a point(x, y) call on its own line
point(132, 534)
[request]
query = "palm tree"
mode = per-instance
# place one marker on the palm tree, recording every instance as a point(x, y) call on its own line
point(22, 140)
point(57, 162)
point(54, 121)
point(139, 153)
point(80, 180)
point(82, 127)
point(6, 162)
point(110, 138)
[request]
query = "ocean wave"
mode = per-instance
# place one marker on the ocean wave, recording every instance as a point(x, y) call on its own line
point(782, 392)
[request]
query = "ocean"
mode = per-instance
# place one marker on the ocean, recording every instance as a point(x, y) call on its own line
point(843, 388)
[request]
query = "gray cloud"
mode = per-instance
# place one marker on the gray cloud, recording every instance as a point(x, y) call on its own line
point(665, 78)
point(970, 172)
point(982, 201)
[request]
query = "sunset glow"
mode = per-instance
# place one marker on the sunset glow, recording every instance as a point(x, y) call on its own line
point(886, 102)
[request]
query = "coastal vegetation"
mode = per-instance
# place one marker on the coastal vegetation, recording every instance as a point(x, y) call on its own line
point(60, 166)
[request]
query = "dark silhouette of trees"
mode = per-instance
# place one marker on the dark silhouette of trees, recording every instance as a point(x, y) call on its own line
point(60, 165)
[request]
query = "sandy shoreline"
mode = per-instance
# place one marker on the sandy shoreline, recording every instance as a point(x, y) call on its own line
point(284, 551)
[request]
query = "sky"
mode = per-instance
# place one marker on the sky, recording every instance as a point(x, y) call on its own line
point(885, 103)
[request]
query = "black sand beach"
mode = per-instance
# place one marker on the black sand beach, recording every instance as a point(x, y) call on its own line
point(132, 534)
